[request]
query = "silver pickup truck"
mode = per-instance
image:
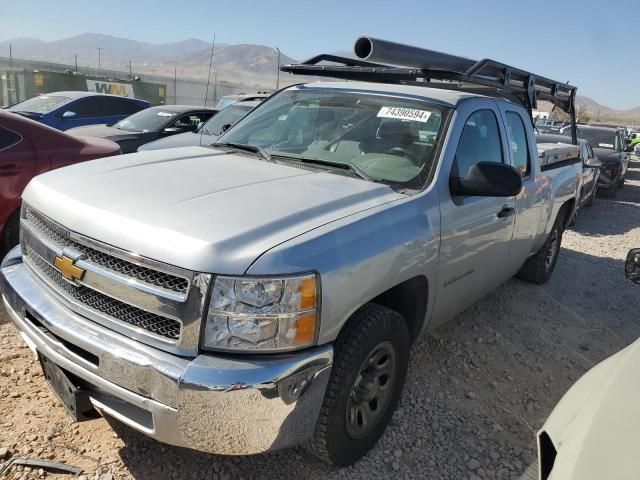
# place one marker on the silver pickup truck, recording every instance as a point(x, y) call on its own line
point(265, 292)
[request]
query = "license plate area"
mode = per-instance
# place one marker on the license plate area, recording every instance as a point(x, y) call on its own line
point(73, 398)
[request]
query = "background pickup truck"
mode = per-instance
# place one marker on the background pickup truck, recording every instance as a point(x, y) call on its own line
point(265, 292)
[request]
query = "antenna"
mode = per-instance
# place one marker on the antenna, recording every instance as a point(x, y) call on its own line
point(206, 92)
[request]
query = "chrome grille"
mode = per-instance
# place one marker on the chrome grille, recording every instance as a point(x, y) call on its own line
point(143, 274)
point(150, 322)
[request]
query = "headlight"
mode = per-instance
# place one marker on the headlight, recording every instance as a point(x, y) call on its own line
point(262, 314)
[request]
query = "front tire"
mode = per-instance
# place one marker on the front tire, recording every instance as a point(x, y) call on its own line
point(539, 267)
point(370, 364)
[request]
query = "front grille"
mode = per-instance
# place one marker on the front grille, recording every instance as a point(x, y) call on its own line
point(164, 327)
point(143, 274)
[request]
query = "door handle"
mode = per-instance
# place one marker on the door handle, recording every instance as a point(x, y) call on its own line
point(506, 212)
point(10, 166)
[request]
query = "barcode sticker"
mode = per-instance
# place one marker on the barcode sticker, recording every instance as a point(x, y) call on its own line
point(404, 114)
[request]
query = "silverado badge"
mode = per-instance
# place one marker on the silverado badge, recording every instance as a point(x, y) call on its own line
point(67, 267)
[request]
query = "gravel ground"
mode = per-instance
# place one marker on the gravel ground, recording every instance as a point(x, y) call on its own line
point(478, 389)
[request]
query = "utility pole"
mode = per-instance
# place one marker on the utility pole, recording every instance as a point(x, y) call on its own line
point(75, 56)
point(175, 86)
point(10, 55)
point(215, 86)
point(278, 71)
point(130, 70)
point(99, 56)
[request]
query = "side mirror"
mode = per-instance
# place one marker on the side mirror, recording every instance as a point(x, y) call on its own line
point(200, 124)
point(632, 265)
point(628, 148)
point(488, 179)
point(593, 163)
point(69, 114)
point(172, 130)
point(226, 127)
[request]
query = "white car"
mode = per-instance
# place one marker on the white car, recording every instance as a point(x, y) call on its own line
point(593, 432)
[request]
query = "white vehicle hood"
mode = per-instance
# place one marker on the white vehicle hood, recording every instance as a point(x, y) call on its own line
point(596, 426)
point(196, 207)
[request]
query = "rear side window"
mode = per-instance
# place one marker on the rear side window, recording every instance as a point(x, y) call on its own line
point(8, 138)
point(518, 143)
point(87, 107)
point(479, 142)
point(119, 106)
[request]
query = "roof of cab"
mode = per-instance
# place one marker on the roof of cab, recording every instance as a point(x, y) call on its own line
point(448, 97)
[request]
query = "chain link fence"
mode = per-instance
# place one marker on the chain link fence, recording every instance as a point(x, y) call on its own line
point(178, 90)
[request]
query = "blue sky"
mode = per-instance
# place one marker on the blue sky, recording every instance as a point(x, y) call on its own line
point(591, 44)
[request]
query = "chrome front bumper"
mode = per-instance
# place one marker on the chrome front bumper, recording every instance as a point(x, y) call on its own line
point(233, 405)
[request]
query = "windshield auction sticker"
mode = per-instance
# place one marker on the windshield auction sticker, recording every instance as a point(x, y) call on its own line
point(404, 114)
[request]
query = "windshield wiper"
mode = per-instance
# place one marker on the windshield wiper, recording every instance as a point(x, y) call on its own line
point(261, 152)
point(345, 166)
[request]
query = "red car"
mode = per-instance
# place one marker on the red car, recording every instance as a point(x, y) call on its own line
point(28, 148)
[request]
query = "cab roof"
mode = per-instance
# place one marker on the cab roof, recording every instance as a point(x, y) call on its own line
point(449, 98)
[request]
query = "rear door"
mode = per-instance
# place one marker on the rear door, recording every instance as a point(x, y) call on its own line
point(529, 204)
point(476, 231)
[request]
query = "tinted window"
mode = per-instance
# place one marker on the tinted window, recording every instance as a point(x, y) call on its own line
point(87, 107)
point(518, 143)
point(190, 121)
point(479, 142)
point(8, 138)
point(119, 106)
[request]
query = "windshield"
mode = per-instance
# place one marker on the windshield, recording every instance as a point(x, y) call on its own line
point(149, 120)
point(225, 119)
point(391, 140)
point(599, 138)
point(41, 104)
point(224, 102)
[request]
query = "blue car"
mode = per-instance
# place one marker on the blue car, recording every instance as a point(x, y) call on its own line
point(65, 110)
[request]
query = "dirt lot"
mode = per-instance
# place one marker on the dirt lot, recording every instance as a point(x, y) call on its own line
point(478, 388)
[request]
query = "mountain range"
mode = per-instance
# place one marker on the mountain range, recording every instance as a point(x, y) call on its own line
point(249, 64)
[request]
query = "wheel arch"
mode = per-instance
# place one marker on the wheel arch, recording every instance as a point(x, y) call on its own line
point(410, 299)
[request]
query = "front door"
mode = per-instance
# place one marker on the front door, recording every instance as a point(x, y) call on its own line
point(475, 231)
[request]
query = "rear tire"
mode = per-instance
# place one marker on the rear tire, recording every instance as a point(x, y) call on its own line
point(371, 358)
point(539, 267)
point(10, 234)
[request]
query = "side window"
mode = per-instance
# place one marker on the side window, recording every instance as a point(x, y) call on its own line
point(88, 107)
point(190, 121)
point(479, 142)
point(121, 106)
point(518, 143)
point(8, 138)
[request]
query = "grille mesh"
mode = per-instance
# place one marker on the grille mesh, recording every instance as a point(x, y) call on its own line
point(137, 317)
point(144, 274)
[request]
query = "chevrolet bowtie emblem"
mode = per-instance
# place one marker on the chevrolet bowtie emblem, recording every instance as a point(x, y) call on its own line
point(67, 267)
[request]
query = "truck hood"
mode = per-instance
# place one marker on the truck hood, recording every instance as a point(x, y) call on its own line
point(596, 426)
point(188, 139)
point(198, 208)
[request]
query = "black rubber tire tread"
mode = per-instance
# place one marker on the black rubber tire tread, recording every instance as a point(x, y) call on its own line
point(10, 234)
point(369, 326)
point(534, 269)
